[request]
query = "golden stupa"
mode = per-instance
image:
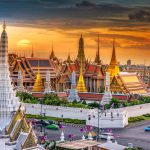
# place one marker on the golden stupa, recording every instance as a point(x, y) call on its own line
point(113, 68)
point(38, 85)
point(81, 85)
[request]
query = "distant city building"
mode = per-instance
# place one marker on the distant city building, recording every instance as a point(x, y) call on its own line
point(129, 62)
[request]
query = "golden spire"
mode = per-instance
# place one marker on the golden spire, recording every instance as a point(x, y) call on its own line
point(81, 85)
point(52, 55)
point(69, 58)
point(81, 55)
point(113, 57)
point(113, 68)
point(4, 25)
point(38, 85)
point(97, 58)
point(32, 54)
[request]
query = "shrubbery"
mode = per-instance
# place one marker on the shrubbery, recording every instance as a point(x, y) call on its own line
point(135, 119)
point(115, 103)
point(66, 120)
point(27, 98)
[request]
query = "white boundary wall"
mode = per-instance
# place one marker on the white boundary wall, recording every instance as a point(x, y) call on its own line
point(57, 111)
point(114, 118)
point(138, 110)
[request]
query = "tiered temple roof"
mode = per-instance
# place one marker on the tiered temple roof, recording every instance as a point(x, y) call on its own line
point(29, 68)
point(128, 83)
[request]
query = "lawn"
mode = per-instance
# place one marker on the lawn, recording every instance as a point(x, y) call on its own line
point(65, 120)
point(139, 118)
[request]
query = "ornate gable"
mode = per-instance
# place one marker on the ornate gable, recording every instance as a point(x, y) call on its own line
point(30, 141)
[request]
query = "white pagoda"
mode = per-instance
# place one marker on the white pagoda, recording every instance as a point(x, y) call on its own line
point(20, 86)
point(48, 89)
point(107, 95)
point(8, 100)
point(73, 93)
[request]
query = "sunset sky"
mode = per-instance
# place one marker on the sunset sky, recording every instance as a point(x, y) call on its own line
point(39, 22)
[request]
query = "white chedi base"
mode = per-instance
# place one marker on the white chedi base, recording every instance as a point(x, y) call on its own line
point(62, 137)
point(73, 95)
point(106, 98)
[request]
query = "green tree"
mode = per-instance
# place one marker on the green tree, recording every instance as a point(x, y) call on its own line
point(115, 102)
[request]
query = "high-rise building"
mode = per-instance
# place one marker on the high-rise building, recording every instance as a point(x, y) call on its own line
point(8, 100)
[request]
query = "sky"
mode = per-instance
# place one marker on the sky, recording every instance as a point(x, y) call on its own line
point(36, 23)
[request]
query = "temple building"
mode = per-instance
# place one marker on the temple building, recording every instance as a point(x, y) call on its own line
point(124, 82)
point(29, 67)
point(113, 68)
point(128, 83)
point(93, 73)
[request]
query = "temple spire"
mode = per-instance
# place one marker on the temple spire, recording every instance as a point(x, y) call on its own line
point(97, 57)
point(113, 58)
point(81, 85)
point(38, 85)
point(32, 54)
point(113, 67)
point(8, 100)
point(81, 55)
point(4, 25)
point(69, 58)
point(52, 55)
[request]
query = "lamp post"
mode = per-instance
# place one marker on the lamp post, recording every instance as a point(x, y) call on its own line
point(62, 118)
point(41, 114)
point(100, 108)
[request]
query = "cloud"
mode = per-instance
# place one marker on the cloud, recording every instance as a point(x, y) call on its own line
point(140, 15)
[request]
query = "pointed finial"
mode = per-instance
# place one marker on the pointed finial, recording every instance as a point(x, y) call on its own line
point(38, 68)
point(32, 54)
point(4, 25)
point(113, 42)
point(81, 35)
point(52, 45)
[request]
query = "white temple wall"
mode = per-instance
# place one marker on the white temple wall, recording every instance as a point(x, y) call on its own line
point(119, 119)
point(138, 110)
point(57, 111)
